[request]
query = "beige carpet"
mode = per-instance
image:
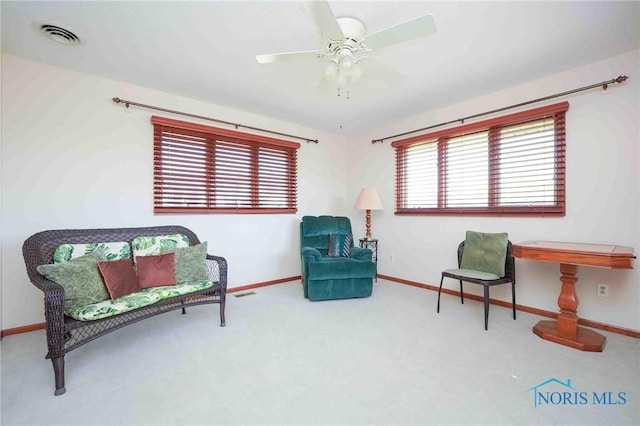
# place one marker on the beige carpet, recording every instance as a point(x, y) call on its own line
point(282, 360)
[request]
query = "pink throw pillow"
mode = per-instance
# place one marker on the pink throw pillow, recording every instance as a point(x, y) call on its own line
point(119, 277)
point(156, 271)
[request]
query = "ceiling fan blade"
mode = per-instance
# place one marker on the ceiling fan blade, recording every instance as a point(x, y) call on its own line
point(324, 18)
point(418, 27)
point(288, 56)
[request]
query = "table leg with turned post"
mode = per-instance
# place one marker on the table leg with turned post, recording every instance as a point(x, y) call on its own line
point(565, 330)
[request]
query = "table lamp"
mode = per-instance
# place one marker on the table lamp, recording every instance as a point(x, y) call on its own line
point(368, 200)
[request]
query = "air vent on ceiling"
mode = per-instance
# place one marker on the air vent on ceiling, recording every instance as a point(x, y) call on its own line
point(59, 34)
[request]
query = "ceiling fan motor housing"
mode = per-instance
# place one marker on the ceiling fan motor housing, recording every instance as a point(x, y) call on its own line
point(352, 29)
point(344, 51)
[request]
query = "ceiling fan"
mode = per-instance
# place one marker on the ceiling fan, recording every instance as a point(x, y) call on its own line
point(347, 44)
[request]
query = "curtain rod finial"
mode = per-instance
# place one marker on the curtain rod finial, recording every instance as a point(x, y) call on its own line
point(116, 100)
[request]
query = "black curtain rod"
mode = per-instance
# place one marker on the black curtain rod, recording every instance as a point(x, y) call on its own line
point(236, 125)
point(604, 86)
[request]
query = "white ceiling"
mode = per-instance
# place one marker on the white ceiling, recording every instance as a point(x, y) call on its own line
point(206, 50)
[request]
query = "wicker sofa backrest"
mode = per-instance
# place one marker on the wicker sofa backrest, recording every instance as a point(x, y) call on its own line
point(39, 248)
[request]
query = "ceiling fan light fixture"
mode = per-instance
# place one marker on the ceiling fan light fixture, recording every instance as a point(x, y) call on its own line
point(331, 70)
point(346, 63)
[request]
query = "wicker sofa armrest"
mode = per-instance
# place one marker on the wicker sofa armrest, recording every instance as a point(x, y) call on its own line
point(54, 314)
point(217, 268)
point(53, 294)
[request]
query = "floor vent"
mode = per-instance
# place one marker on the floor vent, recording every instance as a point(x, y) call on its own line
point(251, 293)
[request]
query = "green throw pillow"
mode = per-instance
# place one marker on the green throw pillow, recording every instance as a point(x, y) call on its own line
point(190, 263)
point(80, 279)
point(485, 252)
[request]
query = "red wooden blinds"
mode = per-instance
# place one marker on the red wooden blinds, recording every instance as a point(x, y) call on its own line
point(511, 165)
point(204, 169)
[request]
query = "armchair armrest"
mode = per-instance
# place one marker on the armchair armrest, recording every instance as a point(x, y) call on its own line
point(310, 254)
point(359, 253)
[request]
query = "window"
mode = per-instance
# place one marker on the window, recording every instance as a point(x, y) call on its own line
point(203, 169)
point(511, 165)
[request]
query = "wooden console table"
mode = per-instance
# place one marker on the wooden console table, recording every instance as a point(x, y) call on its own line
point(565, 330)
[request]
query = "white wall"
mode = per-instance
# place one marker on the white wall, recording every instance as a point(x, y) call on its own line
point(603, 187)
point(71, 158)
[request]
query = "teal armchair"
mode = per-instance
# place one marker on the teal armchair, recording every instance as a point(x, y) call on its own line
point(333, 274)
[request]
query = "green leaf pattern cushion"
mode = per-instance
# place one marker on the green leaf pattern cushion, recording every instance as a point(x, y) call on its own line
point(113, 251)
point(107, 308)
point(148, 296)
point(485, 252)
point(190, 263)
point(80, 279)
point(154, 245)
point(167, 292)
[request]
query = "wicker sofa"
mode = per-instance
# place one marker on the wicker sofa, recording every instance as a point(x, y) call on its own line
point(65, 333)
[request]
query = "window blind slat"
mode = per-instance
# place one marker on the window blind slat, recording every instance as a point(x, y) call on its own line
point(207, 172)
point(505, 168)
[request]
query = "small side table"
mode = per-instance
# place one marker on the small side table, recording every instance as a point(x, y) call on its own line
point(371, 244)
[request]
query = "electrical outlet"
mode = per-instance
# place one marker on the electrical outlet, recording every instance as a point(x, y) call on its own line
point(603, 290)
point(392, 258)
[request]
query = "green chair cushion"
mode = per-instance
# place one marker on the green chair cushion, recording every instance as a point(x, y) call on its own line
point(485, 252)
point(469, 273)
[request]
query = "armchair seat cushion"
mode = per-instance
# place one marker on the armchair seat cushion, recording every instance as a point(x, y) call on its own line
point(329, 268)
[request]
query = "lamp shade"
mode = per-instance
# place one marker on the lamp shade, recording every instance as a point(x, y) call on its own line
point(368, 200)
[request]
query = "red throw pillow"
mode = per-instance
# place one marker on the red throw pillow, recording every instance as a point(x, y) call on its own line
point(156, 271)
point(119, 277)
